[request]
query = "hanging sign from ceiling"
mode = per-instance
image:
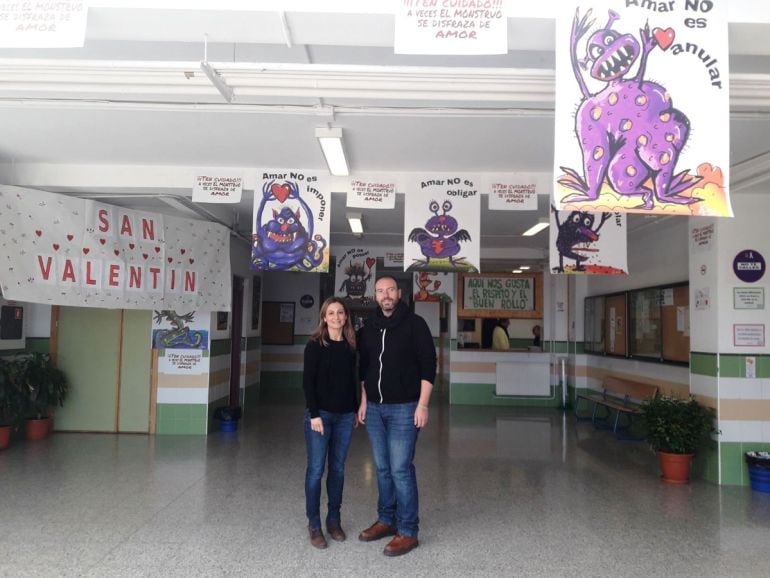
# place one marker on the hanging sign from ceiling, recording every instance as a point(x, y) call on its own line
point(513, 191)
point(39, 24)
point(451, 27)
point(217, 186)
point(588, 243)
point(371, 193)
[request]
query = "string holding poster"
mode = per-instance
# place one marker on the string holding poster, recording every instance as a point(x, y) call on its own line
point(442, 225)
point(642, 107)
point(291, 223)
point(588, 243)
point(356, 271)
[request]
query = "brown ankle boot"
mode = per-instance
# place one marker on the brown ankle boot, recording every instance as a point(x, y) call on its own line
point(317, 538)
point(376, 531)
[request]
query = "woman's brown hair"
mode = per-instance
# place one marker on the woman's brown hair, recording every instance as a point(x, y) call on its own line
point(322, 333)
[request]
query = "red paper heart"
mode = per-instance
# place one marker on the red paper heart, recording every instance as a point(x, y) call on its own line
point(116, 251)
point(169, 259)
point(183, 251)
point(370, 262)
point(664, 38)
point(131, 246)
point(86, 250)
point(191, 261)
point(69, 237)
point(281, 192)
point(38, 232)
point(157, 249)
point(436, 284)
point(102, 241)
point(55, 246)
point(144, 256)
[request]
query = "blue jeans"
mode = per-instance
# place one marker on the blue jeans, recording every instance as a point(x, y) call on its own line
point(334, 444)
point(393, 436)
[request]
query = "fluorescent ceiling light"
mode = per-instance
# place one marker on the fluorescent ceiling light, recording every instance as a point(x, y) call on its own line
point(516, 271)
point(356, 224)
point(331, 145)
point(524, 267)
point(535, 229)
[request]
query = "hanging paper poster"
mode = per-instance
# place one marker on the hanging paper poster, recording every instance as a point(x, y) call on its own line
point(514, 191)
point(588, 243)
point(451, 27)
point(59, 24)
point(372, 193)
point(217, 186)
point(291, 222)
point(642, 107)
point(393, 258)
point(61, 250)
point(431, 286)
point(442, 225)
point(356, 272)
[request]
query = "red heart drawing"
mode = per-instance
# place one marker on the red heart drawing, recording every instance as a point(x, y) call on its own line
point(664, 38)
point(131, 246)
point(157, 249)
point(191, 261)
point(38, 232)
point(370, 262)
point(281, 192)
point(183, 251)
point(55, 246)
point(69, 237)
point(169, 259)
point(102, 241)
point(86, 250)
point(144, 256)
point(436, 285)
point(116, 251)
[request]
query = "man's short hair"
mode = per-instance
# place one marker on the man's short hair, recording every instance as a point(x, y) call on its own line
point(387, 277)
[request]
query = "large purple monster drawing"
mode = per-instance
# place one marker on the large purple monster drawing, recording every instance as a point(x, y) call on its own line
point(630, 134)
point(440, 241)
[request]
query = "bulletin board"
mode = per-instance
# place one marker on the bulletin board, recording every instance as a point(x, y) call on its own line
point(500, 296)
point(278, 322)
point(615, 324)
point(675, 326)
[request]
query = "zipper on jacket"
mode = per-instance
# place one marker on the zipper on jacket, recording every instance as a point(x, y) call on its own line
point(379, 377)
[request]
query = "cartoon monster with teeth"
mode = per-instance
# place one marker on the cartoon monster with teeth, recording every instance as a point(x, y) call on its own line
point(629, 132)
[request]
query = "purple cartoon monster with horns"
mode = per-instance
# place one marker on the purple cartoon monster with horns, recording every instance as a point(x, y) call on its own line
point(628, 132)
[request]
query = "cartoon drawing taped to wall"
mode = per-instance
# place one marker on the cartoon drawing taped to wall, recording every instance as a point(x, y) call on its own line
point(630, 135)
point(283, 242)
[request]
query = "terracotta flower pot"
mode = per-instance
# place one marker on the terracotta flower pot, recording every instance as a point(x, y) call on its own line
point(675, 468)
point(5, 436)
point(37, 429)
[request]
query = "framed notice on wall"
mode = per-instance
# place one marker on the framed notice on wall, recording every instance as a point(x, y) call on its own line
point(499, 295)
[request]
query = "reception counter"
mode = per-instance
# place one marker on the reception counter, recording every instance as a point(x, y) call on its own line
point(513, 377)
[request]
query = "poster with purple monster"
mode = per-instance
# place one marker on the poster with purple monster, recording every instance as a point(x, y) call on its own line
point(291, 222)
point(442, 224)
point(642, 107)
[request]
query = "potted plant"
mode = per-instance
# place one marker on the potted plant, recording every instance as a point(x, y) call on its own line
point(46, 387)
point(11, 402)
point(676, 428)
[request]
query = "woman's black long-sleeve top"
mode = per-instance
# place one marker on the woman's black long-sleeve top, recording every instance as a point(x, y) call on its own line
point(329, 377)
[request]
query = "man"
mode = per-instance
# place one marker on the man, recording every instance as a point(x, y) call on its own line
point(500, 339)
point(397, 369)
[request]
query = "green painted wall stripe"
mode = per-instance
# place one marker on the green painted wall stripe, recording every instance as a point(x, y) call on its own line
point(253, 343)
point(281, 380)
point(732, 365)
point(735, 472)
point(703, 363)
point(220, 347)
point(37, 344)
point(181, 419)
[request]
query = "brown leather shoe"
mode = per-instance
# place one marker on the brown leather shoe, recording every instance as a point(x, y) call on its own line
point(376, 531)
point(317, 538)
point(400, 545)
point(336, 532)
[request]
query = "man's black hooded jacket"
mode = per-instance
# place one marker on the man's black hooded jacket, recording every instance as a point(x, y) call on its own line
point(396, 353)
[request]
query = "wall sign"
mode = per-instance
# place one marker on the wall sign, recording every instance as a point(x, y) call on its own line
point(749, 334)
point(495, 295)
point(749, 266)
point(748, 297)
point(307, 301)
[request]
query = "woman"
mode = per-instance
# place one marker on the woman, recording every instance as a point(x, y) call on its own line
point(330, 395)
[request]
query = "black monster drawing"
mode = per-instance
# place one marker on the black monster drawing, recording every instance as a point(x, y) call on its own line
point(577, 228)
point(628, 132)
point(355, 284)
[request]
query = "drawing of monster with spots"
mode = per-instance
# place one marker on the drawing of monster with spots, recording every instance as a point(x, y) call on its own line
point(630, 134)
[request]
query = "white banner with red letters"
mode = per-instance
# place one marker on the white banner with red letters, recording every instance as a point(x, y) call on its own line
point(62, 250)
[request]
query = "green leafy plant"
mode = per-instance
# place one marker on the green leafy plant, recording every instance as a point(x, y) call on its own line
point(12, 400)
point(45, 385)
point(677, 426)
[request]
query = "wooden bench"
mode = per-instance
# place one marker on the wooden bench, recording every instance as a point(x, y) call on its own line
point(618, 396)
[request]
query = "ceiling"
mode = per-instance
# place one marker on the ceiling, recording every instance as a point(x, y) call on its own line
point(132, 114)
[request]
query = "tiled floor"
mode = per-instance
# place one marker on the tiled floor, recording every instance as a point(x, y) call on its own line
point(504, 492)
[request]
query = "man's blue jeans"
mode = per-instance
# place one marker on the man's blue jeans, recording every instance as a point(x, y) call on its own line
point(334, 444)
point(393, 436)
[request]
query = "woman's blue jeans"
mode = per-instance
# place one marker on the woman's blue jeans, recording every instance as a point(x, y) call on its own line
point(393, 436)
point(332, 446)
